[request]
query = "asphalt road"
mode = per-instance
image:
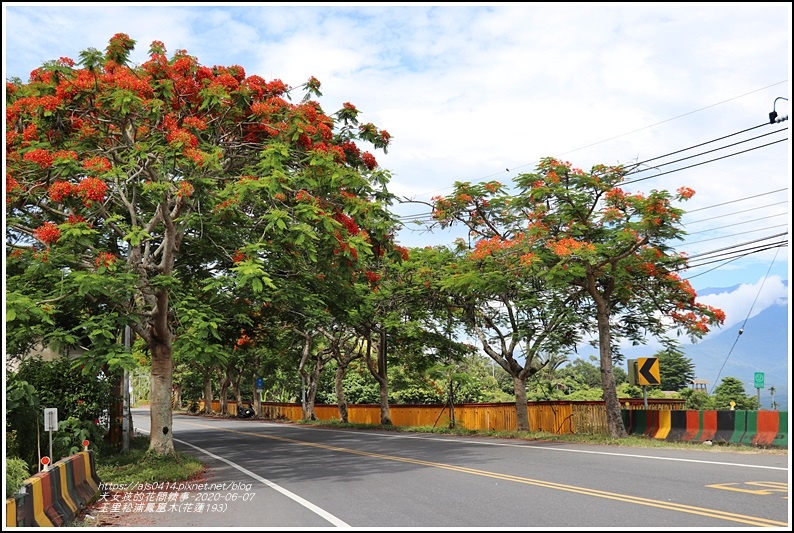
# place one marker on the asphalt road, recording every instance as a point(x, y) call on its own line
point(279, 475)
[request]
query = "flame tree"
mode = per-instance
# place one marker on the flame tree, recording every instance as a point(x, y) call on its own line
point(127, 183)
point(574, 232)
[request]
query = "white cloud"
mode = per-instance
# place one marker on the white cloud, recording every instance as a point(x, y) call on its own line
point(747, 300)
point(468, 91)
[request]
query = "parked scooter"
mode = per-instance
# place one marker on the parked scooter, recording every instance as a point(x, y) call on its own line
point(245, 412)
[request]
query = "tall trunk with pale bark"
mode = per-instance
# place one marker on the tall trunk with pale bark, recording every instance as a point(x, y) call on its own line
point(222, 395)
point(159, 340)
point(339, 388)
point(379, 371)
point(522, 411)
point(611, 403)
point(208, 394)
point(161, 440)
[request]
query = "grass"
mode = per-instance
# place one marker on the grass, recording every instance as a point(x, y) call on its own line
point(137, 465)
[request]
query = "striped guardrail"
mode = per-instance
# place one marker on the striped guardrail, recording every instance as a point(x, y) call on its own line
point(752, 428)
point(53, 497)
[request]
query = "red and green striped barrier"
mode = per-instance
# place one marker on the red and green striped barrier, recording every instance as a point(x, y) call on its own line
point(750, 428)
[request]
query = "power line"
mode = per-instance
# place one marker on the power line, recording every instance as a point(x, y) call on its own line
point(736, 224)
point(741, 329)
point(730, 214)
point(699, 154)
point(737, 200)
point(733, 235)
point(735, 245)
point(723, 262)
point(631, 132)
point(704, 162)
point(704, 144)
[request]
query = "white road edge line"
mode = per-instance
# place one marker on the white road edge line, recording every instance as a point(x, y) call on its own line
point(321, 512)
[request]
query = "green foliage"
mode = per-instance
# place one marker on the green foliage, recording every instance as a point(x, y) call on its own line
point(583, 373)
point(697, 400)
point(17, 471)
point(71, 434)
point(732, 390)
point(676, 371)
point(22, 419)
point(81, 399)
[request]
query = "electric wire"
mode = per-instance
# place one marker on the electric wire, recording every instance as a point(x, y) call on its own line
point(741, 329)
point(736, 224)
point(703, 144)
point(731, 214)
point(704, 162)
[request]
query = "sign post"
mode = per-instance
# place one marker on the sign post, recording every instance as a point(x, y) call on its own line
point(758, 381)
point(647, 374)
point(50, 424)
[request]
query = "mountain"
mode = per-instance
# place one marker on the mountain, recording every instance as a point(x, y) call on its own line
point(762, 346)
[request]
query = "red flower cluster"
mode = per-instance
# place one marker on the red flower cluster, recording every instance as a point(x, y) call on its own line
point(105, 259)
point(244, 341)
point(65, 154)
point(97, 164)
point(60, 190)
point(92, 190)
point(48, 233)
point(185, 190)
point(12, 186)
point(41, 157)
point(349, 224)
point(369, 160)
point(238, 256)
point(30, 133)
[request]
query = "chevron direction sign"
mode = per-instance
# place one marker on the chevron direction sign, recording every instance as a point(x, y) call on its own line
point(648, 371)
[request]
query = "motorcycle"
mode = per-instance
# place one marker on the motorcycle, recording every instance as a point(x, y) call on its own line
point(245, 412)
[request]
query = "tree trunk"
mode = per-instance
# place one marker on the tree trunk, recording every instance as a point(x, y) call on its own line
point(522, 411)
point(116, 411)
point(208, 395)
point(341, 401)
point(383, 382)
point(611, 403)
point(311, 393)
point(176, 398)
point(238, 395)
point(257, 403)
point(452, 422)
point(224, 401)
point(161, 440)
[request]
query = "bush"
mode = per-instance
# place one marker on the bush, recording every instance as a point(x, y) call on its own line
point(16, 473)
point(81, 399)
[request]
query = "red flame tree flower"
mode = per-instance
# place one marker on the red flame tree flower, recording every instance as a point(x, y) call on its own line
point(141, 181)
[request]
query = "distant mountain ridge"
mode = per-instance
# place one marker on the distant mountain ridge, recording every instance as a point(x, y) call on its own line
point(762, 346)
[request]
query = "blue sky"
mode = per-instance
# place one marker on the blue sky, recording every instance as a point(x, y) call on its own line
point(483, 91)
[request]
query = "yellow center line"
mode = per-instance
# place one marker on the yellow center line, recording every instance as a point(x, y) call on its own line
point(712, 513)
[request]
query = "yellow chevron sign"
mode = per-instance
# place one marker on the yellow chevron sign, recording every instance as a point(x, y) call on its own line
point(648, 371)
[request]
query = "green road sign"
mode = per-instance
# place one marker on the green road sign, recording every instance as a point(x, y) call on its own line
point(759, 380)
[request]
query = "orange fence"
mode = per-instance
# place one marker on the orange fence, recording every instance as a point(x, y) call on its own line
point(560, 417)
point(663, 419)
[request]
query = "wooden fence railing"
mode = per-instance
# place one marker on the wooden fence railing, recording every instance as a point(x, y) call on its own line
point(560, 417)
